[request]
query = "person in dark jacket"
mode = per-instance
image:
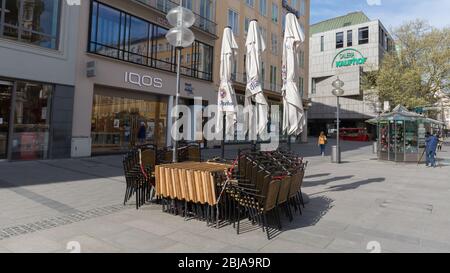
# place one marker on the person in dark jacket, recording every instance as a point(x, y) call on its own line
point(431, 143)
point(142, 133)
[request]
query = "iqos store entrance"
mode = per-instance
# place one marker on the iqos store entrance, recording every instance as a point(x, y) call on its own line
point(24, 120)
point(123, 118)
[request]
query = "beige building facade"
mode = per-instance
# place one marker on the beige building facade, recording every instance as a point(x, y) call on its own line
point(270, 15)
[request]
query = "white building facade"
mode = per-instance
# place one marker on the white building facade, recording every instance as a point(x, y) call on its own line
point(344, 47)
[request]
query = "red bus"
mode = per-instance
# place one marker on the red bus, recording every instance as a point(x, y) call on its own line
point(354, 134)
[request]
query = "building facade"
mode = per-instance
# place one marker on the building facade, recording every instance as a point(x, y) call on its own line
point(125, 76)
point(38, 45)
point(346, 46)
point(270, 15)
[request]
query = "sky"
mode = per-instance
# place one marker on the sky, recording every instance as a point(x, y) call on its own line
point(391, 13)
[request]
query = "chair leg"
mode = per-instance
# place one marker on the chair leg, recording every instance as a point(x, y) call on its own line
point(264, 215)
point(301, 198)
point(238, 220)
point(277, 210)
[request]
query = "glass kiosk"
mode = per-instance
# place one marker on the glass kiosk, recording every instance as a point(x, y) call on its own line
point(401, 135)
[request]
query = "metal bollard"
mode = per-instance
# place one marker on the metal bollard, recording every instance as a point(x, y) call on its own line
point(335, 155)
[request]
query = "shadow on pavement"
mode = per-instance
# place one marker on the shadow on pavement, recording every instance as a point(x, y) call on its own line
point(317, 175)
point(351, 186)
point(315, 210)
point(308, 184)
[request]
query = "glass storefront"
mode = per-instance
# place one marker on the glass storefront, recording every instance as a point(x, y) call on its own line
point(6, 89)
point(119, 35)
point(27, 137)
point(120, 122)
point(35, 22)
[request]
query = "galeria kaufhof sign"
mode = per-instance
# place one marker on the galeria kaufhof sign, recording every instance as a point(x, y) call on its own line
point(349, 57)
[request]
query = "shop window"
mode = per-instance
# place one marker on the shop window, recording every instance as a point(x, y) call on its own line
point(30, 139)
point(35, 22)
point(116, 122)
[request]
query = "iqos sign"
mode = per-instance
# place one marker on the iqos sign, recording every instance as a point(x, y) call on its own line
point(349, 57)
point(143, 80)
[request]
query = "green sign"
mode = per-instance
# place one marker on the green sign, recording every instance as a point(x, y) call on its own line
point(349, 57)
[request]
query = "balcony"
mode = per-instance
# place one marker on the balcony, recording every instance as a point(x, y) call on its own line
point(201, 23)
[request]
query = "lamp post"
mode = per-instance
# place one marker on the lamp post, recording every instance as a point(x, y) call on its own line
point(338, 92)
point(378, 110)
point(180, 37)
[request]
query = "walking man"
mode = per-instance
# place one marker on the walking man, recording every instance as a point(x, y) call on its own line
point(430, 149)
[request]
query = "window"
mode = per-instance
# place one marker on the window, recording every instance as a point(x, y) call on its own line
point(233, 21)
point(244, 76)
point(322, 43)
point(340, 40)
point(273, 78)
point(246, 24)
point(187, 4)
point(294, 4)
point(302, 7)
point(381, 36)
point(119, 35)
point(263, 74)
point(349, 38)
point(274, 13)
point(314, 86)
point(363, 36)
point(33, 22)
point(274, 39)
point(263, 7)
point(234, 69)
point(263, 34)
point(205, 21)
point(301, 86)
point(250, 3)
point(302, 59)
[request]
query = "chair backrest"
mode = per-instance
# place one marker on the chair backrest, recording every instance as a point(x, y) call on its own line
point(295, 184)
point(273, 189)
point(302, 175)
point(284, 190)
point(242, 162)
point(194, 153)
point(149, 158)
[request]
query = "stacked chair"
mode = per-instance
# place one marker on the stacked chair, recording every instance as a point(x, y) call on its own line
point(266, 183)
point(260, 186)
point(140, 164)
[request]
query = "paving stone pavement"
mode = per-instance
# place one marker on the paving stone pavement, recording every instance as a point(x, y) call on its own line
point(404, 207)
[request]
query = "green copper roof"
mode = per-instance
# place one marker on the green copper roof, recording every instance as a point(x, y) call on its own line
point(353, 18)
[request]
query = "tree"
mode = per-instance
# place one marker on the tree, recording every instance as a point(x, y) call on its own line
point(417, 70)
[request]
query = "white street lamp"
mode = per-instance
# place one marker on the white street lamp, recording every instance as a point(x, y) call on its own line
point(338, 92)
point(180, 37)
